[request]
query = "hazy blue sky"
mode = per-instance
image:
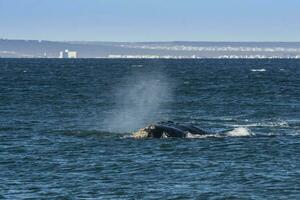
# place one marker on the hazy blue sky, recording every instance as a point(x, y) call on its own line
point(151, 20)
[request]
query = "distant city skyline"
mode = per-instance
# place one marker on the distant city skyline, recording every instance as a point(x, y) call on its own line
point(153, 20)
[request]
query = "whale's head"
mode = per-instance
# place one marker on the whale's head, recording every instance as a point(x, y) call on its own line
point(153, 131)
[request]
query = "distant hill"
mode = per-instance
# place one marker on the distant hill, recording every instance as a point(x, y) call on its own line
point(176, 49)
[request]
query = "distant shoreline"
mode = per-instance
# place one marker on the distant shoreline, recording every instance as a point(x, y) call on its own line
point(36, 58)
point(150, 50)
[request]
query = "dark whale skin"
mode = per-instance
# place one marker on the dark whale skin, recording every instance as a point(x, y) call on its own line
point(171, 129)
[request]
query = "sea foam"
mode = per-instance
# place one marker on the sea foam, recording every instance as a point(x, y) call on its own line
point(239, 132)
point(258, 70)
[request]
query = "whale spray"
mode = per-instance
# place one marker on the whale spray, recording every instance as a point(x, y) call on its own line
point(138, 102)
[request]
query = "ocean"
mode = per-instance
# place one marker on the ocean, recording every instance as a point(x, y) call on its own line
point(66, 125)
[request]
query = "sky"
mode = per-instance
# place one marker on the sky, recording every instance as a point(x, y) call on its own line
point(150, 20)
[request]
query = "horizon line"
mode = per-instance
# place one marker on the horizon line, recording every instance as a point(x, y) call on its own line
point(153, 41)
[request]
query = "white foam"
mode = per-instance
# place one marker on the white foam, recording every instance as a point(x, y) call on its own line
point(239, 132)
point(280, 124)
point(258, 70)
point(190, 135)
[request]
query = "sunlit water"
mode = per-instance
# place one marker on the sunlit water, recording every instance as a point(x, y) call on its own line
point(65, 129)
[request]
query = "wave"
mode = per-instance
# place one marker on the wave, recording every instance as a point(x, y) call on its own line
point(258, 70)
point(278, 124)
point(237, 132)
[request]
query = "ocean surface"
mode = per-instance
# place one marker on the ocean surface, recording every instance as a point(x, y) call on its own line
point(65, 128)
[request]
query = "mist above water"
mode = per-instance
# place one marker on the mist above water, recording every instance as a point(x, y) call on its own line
point(138, 102)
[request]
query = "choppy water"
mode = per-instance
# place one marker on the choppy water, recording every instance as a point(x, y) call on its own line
point(64, 127)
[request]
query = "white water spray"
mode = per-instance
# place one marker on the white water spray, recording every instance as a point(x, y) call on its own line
point(138, 102)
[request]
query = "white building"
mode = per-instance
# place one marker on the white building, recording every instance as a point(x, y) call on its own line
point(68, 54)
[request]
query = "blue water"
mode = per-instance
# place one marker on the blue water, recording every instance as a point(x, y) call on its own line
point(65, 129)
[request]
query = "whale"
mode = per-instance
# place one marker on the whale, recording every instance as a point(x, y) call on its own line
point(169, 129)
